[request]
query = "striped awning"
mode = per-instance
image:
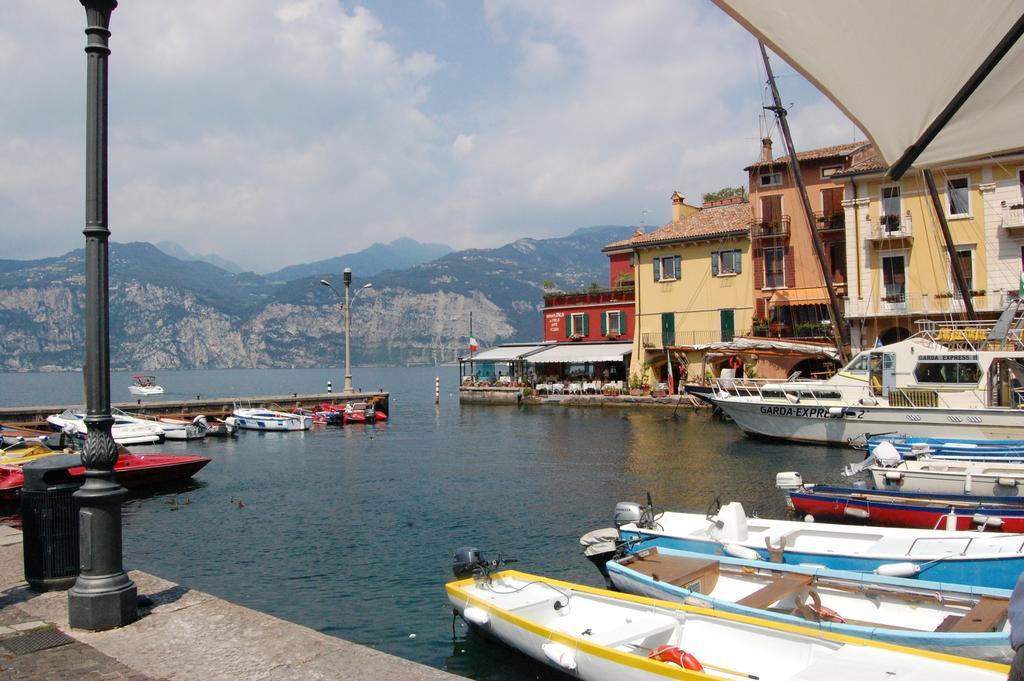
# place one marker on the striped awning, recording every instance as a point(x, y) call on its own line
point(504, 353)
point(578, 353)
point(816, 295)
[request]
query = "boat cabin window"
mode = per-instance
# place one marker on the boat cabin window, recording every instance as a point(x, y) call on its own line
point(947, 372)
point(859, 365)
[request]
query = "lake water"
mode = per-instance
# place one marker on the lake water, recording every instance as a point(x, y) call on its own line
point(351, 531)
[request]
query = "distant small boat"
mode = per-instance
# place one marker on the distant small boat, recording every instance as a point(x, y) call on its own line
point(599, 635)
point(270, 420)
point(145, 385)
point(960, 620)
point(124, 431)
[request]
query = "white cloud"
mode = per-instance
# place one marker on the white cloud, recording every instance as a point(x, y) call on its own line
point(274, 133)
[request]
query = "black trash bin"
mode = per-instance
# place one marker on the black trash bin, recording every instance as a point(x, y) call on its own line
point(50, 522)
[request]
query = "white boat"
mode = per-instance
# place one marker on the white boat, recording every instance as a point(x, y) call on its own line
point(269, 420)
point(182, 429)
point(959, 557)
point(600, 635)
point(123, 431)
point(145, 385)
point(923, 474)
point(950, 380)
point(960, 620)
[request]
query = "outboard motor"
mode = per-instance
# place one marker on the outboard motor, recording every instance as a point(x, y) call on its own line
point(467, 562)
point(627, 512)
point(600, 546)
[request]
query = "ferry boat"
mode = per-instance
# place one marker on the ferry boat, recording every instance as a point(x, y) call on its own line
point(949, 380)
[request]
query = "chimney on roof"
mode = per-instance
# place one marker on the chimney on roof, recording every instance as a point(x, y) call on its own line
point(677, 206)
point(638, 232)
point(766, 150)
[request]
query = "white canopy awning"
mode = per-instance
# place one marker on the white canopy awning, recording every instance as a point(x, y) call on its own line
point(575, 353)
point(896, 67)
point(753, 345)
point(504, 353)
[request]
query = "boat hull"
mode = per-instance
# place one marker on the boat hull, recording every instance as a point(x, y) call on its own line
point(903, 509)
point(842, 425)
point(1007, 451)
point(272, 421)
point(947, 477)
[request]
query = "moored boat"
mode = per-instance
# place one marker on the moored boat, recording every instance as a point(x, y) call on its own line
point(130, 470)
point(961, 557)
point(271, 420)
point(124, 431)
point(960, 620)
point(906, 509)
point(221, 427)
point(1008, 451)
point(145, 385)
point(600, 635)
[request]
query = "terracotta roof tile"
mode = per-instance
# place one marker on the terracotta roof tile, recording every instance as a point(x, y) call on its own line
point(835, 151)
point(731, 219)
point(618, 244)
point(872, 164)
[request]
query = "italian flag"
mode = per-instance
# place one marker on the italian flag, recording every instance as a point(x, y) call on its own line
point(472, 343)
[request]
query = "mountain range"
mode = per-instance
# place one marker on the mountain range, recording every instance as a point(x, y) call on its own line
point(167, 312)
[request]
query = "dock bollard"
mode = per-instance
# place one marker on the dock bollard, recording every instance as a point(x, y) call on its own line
point(437, 390)
point(328, 387)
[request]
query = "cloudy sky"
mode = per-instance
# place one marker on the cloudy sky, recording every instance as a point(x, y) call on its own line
point(274, 132)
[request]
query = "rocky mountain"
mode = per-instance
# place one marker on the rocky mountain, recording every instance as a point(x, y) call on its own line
point(394, 255)
point(169, 313)
point(178, 251)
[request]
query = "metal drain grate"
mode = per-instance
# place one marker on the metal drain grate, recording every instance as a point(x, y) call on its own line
point(40, 639)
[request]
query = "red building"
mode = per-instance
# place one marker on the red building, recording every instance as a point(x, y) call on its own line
point(597, 314)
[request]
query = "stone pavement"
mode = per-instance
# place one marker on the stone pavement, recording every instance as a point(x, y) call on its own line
point(182, 635)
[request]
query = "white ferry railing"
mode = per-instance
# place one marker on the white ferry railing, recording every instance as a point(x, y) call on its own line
point(970, 335)
point(850, 395)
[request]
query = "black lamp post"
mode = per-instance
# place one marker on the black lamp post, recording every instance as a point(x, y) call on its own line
point(103, 596)
point(346, 306)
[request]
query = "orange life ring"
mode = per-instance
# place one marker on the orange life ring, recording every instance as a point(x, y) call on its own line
point(735, 362)
point(676, 655)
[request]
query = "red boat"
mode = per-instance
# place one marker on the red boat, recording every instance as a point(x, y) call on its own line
point(131, 471)
point(357, 412)
point(908, 509)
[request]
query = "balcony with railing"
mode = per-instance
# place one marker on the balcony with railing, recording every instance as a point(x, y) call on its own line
point(658, 340)
point(902, 304)
point(623, 294)
point(770, 228)
point(1013, 219)
point(890, 228)
point(830, 222)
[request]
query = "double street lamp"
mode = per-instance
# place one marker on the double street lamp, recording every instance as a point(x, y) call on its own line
point(346, 306)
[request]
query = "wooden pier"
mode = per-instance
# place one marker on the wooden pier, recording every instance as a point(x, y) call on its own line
point(209, 406)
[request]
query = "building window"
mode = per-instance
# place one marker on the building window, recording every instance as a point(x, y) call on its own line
point(577, 326)
point(829, 171)
point(891, 205)
point(837, 261)
point(666, 268)
point(725, 263)
point(958, 191)
point(769, 179)
point(774, 267)
point(894, 279)
point(613, 324)
point(966, 257)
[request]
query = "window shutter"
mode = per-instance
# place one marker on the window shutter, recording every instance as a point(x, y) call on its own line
point(586, 324)
point(657, 269)
point(737, 261)
point(715, 255)
point(568, 326)
point(788, 268)
point(758, 268)
point(604, 323)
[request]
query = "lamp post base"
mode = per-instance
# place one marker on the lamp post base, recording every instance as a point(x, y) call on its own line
point(100, 603)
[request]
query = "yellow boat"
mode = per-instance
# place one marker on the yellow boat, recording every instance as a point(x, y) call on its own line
point(601, 635)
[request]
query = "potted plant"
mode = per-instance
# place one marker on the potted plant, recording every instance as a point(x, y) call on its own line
point(760, 326)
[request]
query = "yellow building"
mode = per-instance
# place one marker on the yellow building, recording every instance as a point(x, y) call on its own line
point(693, 285)
point(898, 263)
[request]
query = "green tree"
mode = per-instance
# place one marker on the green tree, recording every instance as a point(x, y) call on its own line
point(726, 193)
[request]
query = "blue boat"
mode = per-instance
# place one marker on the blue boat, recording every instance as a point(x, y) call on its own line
point(1007, 451)
point(955, 619)
point(987, 559)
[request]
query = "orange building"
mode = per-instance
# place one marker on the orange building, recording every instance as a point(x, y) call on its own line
point(790, 299)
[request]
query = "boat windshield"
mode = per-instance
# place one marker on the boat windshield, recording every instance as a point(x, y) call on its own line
point(859, 364)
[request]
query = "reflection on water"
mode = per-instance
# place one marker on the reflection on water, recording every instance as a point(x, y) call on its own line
point(351, 530)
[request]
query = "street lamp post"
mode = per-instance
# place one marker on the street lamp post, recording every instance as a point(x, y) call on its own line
point(346, 305)
point(103, 596)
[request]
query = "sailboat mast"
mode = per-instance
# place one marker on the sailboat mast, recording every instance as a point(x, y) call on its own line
point(954, 261)
point(838, 330)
